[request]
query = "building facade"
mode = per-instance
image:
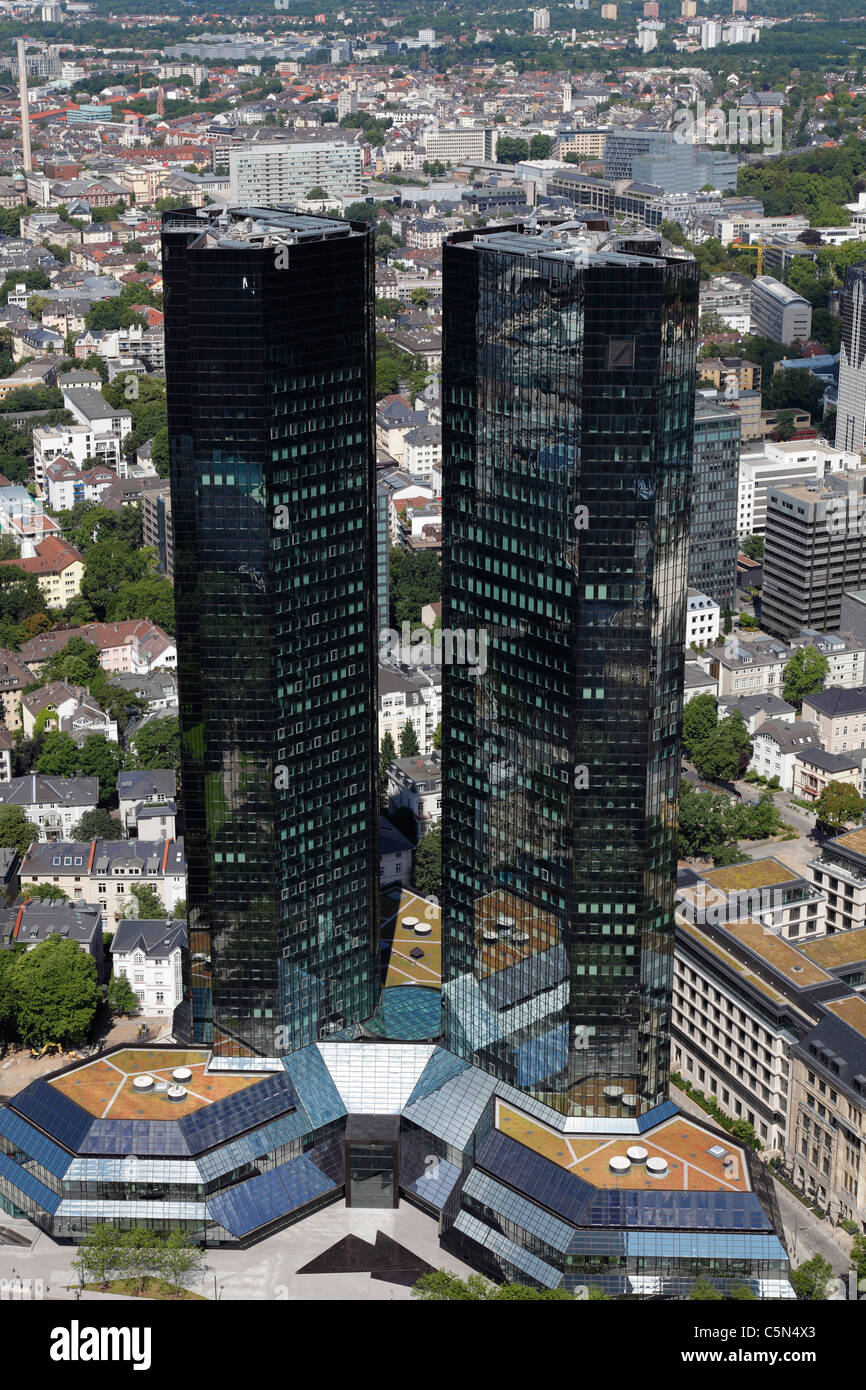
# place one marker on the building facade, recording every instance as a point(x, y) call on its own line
point(269, 352)
point(713, 545)
point(558, 553)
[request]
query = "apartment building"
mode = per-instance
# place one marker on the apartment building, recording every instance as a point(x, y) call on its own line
point(815, 549)
point(54, 804)
point(416, 783)
point(779, 464)
point(134, 647)
point(152, 956)
point(778, 312)
point(58, 568)
point(413, 698)
point(283, 174)
point(147, 803)
point(722, 371)
point(733, 1026)
point(703, 618)
point(746, 668)
point(454, 144)
point(815, 769)
point(840, 872)
point(31, 923)
point(157, 526)
point(839, 716)
point(103, 872)
point(15, 676)
point(825, 1152)
point(775, 746)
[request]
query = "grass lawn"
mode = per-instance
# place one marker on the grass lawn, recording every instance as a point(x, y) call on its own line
point(151, 1288)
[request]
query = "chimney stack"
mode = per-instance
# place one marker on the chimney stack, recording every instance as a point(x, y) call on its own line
point(25, 108)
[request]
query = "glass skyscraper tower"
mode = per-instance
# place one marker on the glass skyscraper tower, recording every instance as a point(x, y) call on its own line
point(568, 409)
point(269, 364)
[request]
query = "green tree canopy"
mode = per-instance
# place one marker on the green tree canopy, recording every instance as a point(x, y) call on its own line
point(804, 674)
point(838, 804)
point(96, 825)
point(700, 718)
point(155, 744)
point(510, 149)
point(725, 753)
point(16, 831)
point(408, 741)
point(814, 1279)
point(56, 993)
point(120, 997)
point(428, 863)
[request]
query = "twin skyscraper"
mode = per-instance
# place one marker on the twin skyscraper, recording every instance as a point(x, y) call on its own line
point(567, 415)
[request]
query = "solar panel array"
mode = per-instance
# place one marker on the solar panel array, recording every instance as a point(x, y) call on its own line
point(43, 1150)
point(225, 1119)
point(145, 1138)
point(54, 1112)
point(268, 1197)
point(27, 1184)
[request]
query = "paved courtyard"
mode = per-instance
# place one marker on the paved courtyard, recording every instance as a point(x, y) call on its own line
point(269, 1271)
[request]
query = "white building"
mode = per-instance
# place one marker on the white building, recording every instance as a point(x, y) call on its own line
point(54, 804)
point(781, 464)
point(414, 699)
point(775, 746)
point(103, 872)
point(274, 175)
point(151, 956)
point(703, 618)
point(778, 312)
point(416, 783)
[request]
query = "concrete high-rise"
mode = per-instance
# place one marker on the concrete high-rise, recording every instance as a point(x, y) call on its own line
point(851, 402)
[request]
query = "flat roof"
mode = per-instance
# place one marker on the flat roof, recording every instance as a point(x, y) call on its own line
point(851, 1011)
point(785, 959)
point(682, 1142)
point(842, 948)
point(733, 964)
point(105, 1087)
point(854, 840)
point(759, 873)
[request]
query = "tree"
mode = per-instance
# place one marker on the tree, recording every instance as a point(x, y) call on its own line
point(120, 997)
point(804, 674)
point(444, 1287)
point(700, 718)
point(99, 1255)
point(510, 149)
point(838, 804)
point(741, 1293)
point(59, 755)
point(753, 546)
point(437, 735)
point(317, 192)
point(139, 1254)
point(203, 89)
point(179, 1262)
point(96, 825)
point(745, 1132)
point(56, 993)
point(409, 746)
point(703, 821)
point(155, 745)
point(428, 863)
point(387, 755)
point(7, 992)
point(705, 1292)
point(416, 579)
point(148, 905)
point(101, 757)
point(151, 597)
point(814, 1279)
point(725, 753)
point(858, 1255)
point(16, 831)
point(540, 146)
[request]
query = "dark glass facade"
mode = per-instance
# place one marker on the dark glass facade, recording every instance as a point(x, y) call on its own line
point(713, 547)
point(568, 414)
point(269, 357)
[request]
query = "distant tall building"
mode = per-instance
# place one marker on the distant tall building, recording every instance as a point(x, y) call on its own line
point(566, 96)
point(688, 9)
point(778, 312)
point(739, 6)
point(651, 9)
point(851, 403)
point(608, 12)
point(540, 21)
point(567, 546)
point(715, 471)
point(647, 40)
point(269, 364)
